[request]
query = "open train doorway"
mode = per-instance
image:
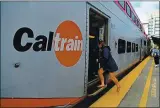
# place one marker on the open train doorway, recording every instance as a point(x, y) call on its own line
point(98, 29)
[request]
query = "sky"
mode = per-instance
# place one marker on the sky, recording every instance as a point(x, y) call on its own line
point(145, 8)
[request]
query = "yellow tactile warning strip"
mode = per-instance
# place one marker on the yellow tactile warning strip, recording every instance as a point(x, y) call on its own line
point(144, 97)
point(113, 98)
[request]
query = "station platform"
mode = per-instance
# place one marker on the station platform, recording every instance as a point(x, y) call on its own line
point(139, 88)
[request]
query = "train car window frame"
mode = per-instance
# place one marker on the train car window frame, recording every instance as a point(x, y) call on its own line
point(128, 10)
point(133, 47)
point(122, 4)
point(136, 47)
point(121, 46)
point(129, 47)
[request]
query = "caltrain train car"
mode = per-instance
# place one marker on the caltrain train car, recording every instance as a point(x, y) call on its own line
point(48, 48)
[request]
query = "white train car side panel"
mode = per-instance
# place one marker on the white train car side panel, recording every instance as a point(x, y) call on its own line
point(40, 74)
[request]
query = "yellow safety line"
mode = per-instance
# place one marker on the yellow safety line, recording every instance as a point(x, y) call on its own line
point(113, 98)
point(144, 97)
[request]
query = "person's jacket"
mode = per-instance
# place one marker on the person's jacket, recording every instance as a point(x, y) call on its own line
point(106, 60)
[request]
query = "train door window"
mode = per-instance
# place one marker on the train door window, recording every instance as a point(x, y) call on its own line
point(98, 29)
point(122, 4)
point(133, 47)
point(128, 10)
point(128, 47)
point(136, 47)
point(121, 46)
point(144, 43)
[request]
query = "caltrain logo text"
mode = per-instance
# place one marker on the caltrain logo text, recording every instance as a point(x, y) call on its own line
point(67, 42)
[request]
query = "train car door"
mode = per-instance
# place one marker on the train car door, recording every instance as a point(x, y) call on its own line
point(97, 29)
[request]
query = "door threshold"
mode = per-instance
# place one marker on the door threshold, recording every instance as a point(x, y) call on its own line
point(92, 82)
point(97, 90)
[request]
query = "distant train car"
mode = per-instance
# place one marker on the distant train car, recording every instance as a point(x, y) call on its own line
point(48, 49)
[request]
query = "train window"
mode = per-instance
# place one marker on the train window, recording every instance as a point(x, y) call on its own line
point(133, 17)
point(128, 10)
point(133, 47)
point(122, 4)
point(135, 20)
point(121, 46)
point(138, 23)
point(141, 27)
point(144, 43)
point(128, 46)
point(136, 47)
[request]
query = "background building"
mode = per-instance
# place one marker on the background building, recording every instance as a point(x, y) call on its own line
point(154, 24)
point(145, 25)
point(154, 27)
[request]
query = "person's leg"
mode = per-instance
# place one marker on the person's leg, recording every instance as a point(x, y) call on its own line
point(155, 61)
point(100, 73)
point(115, 80)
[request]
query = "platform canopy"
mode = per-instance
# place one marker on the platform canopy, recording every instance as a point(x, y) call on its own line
point(156, 40)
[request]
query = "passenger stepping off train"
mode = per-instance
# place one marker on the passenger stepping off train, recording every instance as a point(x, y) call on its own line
point(107, 65)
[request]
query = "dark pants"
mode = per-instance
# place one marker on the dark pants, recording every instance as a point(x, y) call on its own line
point(156, 60)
